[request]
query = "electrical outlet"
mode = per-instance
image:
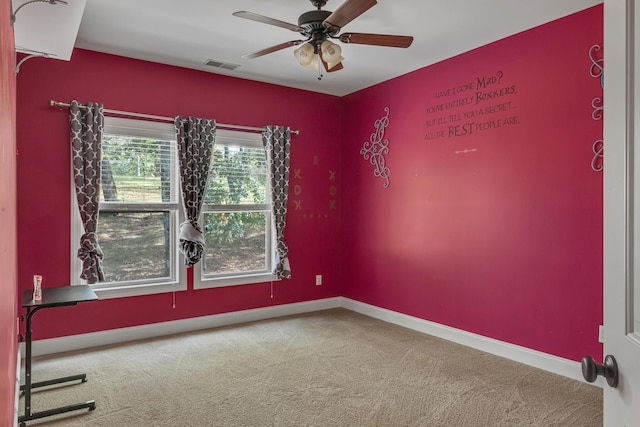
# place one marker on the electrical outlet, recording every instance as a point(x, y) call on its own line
point(601, 334)
point(318, 279)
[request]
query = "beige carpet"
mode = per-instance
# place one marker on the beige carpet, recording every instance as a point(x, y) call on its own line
point(331, 368)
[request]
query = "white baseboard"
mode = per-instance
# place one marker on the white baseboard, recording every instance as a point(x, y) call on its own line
point(116, 336)
point(537, 359)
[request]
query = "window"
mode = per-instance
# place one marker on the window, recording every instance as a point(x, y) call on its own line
point(236, 216)
point(139, 210)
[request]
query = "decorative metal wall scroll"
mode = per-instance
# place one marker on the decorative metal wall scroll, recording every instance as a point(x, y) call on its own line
point(597, 71)
point(598, 153)
point(375, 149)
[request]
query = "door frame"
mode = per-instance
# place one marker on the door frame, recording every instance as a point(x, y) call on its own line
point(621, 184)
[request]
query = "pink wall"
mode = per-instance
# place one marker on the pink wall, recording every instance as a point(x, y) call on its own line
point(503, 239)
point(130, 85)
point(8, 260)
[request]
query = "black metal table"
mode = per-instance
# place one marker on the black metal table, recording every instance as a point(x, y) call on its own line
point(51, 297)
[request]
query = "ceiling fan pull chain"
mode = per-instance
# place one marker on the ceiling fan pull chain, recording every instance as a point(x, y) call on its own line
point(319, 66)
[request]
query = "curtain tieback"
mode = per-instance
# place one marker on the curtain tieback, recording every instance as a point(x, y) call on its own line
point(191, 242)
point(89, 247)
point(191, 232)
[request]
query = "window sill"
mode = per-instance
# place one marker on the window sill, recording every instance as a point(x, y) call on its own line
point(205, 283)
point(104, 291)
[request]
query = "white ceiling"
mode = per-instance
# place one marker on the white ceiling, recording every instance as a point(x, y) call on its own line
point(43, 29)
point(188, 32)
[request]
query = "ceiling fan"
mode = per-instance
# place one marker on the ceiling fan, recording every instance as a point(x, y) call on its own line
point(318, 26)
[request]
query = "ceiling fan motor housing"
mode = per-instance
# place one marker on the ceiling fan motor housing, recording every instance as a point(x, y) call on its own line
point(312, 23)
point(312, 20)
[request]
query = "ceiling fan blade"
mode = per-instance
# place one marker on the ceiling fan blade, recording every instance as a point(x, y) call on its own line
point(272, 49)
point(377, 39)
point(337, 67)
point(348, 11)
point(266, 20)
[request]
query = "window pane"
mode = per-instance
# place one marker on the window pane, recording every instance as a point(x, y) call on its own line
point(136, 245)
point(238, 176)
point(236, 242)
point(136, 170)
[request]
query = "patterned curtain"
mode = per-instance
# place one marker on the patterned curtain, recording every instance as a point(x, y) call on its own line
point(195, 146)
point(86, 143)
point(277, 144)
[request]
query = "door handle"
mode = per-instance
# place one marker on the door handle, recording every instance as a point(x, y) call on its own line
point(609, 370)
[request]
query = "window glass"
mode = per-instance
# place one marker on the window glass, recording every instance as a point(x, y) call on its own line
point(136, 245)
point(238, 176)
point(236, 242)
point(236, 216)
point(136, 170)
point(139, 210)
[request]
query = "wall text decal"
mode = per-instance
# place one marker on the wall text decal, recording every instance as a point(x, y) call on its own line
point(375, 149)
point(467, 151)
point(317, 208)
point(481, 104)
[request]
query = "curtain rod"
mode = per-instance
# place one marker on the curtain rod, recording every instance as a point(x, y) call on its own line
point(62, 105)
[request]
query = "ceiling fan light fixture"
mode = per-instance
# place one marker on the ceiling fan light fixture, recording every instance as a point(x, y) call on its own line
point(304, 54)
point(331, 52)
point(330, 65)
point(313, 63)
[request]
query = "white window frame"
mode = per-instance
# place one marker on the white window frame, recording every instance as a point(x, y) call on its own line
point(202, 281)
point(106, 290)
point(166, 131)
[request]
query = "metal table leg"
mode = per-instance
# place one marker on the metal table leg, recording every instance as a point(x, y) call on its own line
point(28, 386)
